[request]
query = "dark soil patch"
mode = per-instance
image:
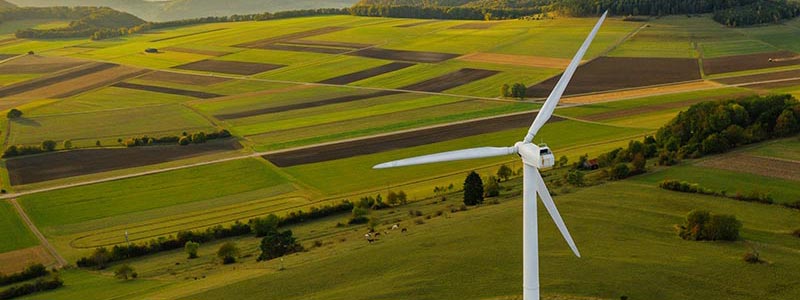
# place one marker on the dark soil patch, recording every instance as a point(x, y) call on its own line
point(474, 25)
point(613, 73)
point(180, 78)
point(270, 110)
point(38, 168)
point(401, 140)
point(774, 85)
point(102, 83)
point(188, 34)
point(450, 80)
point(299, 48)
point(288, 37)
point(749, 62)
point(437, 84)
point(417, 24)
point(760, 77)
point(196, 51)
point(230, 67)
point(166, 90)
point(361, 75)
point(43, 82)
point(404, 55)
point(330, 44)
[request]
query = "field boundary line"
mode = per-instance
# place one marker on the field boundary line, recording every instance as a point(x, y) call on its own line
point(60, 261)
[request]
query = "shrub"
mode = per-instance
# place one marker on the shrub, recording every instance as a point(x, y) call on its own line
point(125, 272)
point(183, 141)
point(723, 228)
point(48, 145)
point(30, 288)
point(491, 187)
point(191, 249)
point(14, 113)
point(575, 177)
point(228, 253)
point(752, 257)
point(67, 144)
point(277, 244)
point(199, 138)
point(504, 172)
point(265, 225)
point(619, 171)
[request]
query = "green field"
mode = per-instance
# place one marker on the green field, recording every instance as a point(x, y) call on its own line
point(54, 210)
point(14, 234)
point(785, 149)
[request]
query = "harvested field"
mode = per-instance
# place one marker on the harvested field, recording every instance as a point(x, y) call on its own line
point(773, 85)
point(400, 140)
point(289, 37)
point(18, 260)
point(230, 67)
point(6, 56)
point(749, 62)
point(517, 60)
point(34, 64)
point(404, 55)
point(166, 90)
point(38, 168)
point(437, 84)
point(760, 77)
point(300, 48)
point(196, 51)
point(330, 44)
point(360, 75)
point(85, 83)
point(417, 24)
point(188, 34)
point(270, 110)
point(643, 92)
point(50, 81)
point(474, 25)
point(613, 73)
point(181, 78)
point(450, 80)
point(758, 165)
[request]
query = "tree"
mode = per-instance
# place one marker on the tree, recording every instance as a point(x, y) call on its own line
point(277, 244)
point(723, 228)
point(473, 189)
point(504, 172)
point(620, 171)
point(191, 249)
point(563, 161)
point(265, 225)
point(67, 144)
point(199, 138)
point(97, 143)
point(391, 198)
point(786, 124)
point(183, 141)
point(14, 113)
point(48, 145)
point(125, 272)
point(491, 187)
point(228, 253)
point(359, 216)
point(402, 197)
point(100, 257)
point(575, 177)
point(505, 91)
point(694, 229)
point(518, 90)
point(639, 163)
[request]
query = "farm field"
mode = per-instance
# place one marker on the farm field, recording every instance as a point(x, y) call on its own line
point(313, 103)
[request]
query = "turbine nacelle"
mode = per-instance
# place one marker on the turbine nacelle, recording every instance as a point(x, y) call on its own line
point(538, 156)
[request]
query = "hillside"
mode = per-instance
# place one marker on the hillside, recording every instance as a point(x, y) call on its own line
point(184, 9)
point(4, 4)
point(88, 21)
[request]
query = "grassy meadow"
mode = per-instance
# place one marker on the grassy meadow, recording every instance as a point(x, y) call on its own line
point(14, 234)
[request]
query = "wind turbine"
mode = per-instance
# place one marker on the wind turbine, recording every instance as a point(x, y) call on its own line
point(533, 157)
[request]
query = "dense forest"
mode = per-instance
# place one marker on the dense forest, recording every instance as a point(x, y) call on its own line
point(159, 11)
point(88, 21)
point(728, 12)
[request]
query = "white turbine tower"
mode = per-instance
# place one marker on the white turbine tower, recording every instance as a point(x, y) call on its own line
point(533, 157)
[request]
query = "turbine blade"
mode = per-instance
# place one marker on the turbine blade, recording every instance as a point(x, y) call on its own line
point(449, 156)
point(550, 104)
point(551, 208)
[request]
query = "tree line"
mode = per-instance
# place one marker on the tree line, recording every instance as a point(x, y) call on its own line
point(87, 21)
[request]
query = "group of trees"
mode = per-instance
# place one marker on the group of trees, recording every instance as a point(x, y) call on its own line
point(88, 21)
point(686, 187)
point(20, 150)
point(31, 272)
point(14, 113)
point(260, 226)
point(516, 90)
point(704, 226)
point(40, 285)
point(442, 12)
point(183, 140)
point(757, 12)
point(718, 126)
point(618, 163)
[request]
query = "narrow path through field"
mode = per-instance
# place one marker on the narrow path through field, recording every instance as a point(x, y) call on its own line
point(60, 261)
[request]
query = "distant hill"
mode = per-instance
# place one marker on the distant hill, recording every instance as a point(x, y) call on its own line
point(89, 22)
point(4, 4)
point(186, 9)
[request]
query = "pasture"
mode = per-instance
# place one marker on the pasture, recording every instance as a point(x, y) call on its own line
point(14, 234)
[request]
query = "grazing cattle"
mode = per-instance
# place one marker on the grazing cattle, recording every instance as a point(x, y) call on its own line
point(395, 226)
point(404, 230)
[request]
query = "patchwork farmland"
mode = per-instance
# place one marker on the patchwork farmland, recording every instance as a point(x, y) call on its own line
point(312, 103)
